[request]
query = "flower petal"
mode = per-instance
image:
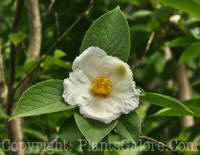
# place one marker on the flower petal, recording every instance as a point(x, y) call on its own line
point(119, 73)
point(91, 62)
point(76, 88)
point(127, 99)
point(98, 109)
point(94, 61)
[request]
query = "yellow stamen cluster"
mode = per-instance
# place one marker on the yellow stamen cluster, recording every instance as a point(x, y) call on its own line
point(101, 86)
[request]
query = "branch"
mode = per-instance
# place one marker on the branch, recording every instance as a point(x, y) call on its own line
point(57, 24)
point(3, 85)
point(12, 62)
point(184, 91)
point(159, 143)
point(141, 61)
point(60, 38)
point(14, 126)
point(49, 8)
point(33, 51)
point(15, 132)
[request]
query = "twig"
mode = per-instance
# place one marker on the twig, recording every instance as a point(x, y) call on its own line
point(12, 65)
point(139, 62)
point(49, 8)
point(57, 24)
point(159, 143)
point(128, 11)
point(23, 80)
point(90, 5)
point(3, 85)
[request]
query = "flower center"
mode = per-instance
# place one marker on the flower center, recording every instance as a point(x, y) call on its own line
point(101, 85)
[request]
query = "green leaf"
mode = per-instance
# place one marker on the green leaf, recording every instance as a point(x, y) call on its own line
point(17, 38)
point(193, 51)
point(1, 152)
point(94, 131)
point(141, 14)
point(69, 131)
point(30, 65)
point(2, 114)
point(134, 2)
point(113, 138)
point(35, 133)
point(111, 33)
point(165, 101)
point(189, 6)
point(180, 41)
point(170, 112)
point(197, 82)
point(44, 97)
point(98, 150)
point(54, 62)
point(59, 54)
point(121, 129)
point(129, 126)
point(193, 104)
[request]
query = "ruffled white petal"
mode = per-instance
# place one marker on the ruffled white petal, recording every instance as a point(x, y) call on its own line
point(99, 109)
point(92, 62)
point(128, 99)
point(76, 88)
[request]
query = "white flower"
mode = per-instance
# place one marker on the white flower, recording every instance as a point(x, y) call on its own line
point(101, 85)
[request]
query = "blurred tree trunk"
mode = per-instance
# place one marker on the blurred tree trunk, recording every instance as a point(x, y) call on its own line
point(3, 85)
point(33, 52)
point(184, 92)
point(15, 131)
point(15, 127)
point(35, 37)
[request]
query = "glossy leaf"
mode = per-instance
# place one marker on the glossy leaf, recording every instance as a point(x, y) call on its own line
point(193, 51)
point(44, 97)
point(17, 38)
point(35, 133)
point(193, 104)
point(165, 101)
point(1, 152)
point(59, 53)
point(69, 131)
point(134, 2)
point(129, 126)
point(94, 131)
point(111, 33)
point(29, 65)
point(189, 6)
point(51, 62)
point(197, 82)
point(2, 114)
point(140, 14)
point(180, 41)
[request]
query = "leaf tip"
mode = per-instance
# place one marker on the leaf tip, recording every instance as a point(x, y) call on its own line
point(118, 7)
point(181, 60)
point(10, 118)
